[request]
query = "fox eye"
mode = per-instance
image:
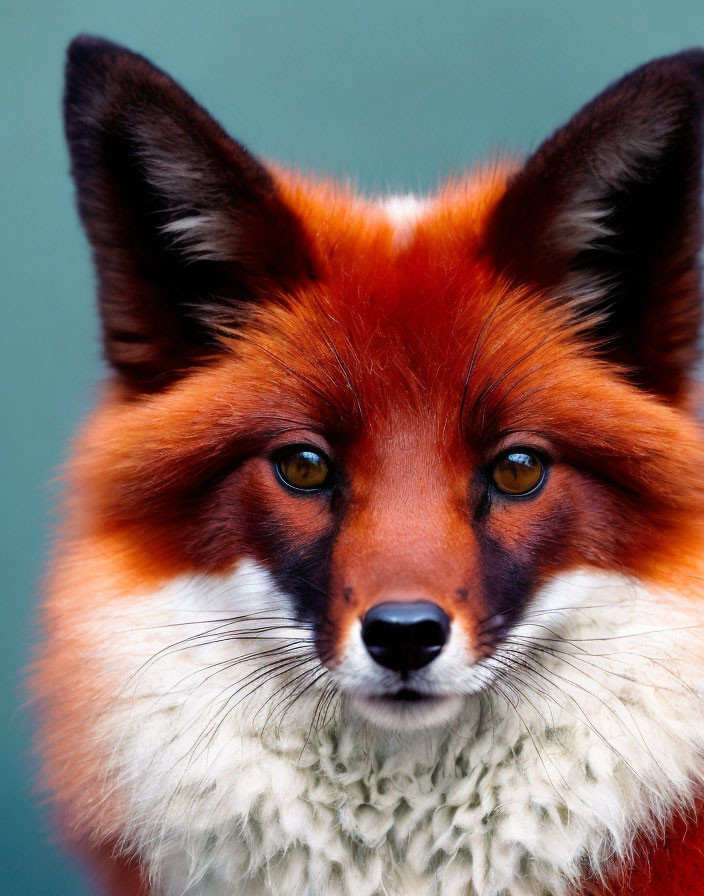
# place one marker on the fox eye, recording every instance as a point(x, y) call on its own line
point(303, 469)
point(518, 472)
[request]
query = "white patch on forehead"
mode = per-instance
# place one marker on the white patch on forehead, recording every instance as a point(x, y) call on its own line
point(404, 213)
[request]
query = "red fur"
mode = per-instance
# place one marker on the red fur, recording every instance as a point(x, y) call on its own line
point(140, 457)
point(414, 366)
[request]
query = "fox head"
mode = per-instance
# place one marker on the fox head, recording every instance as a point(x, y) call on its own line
point(410, 416)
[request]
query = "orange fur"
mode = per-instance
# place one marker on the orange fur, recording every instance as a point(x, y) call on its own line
point(414, 364)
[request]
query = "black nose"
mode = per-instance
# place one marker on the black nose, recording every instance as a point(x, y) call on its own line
point(405, 635)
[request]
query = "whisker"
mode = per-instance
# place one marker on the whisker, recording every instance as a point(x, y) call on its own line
point(549, 675)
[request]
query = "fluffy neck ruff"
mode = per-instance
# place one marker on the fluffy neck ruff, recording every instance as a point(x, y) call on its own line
point(583, 738)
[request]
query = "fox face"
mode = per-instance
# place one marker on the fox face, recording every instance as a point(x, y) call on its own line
point(385, 432)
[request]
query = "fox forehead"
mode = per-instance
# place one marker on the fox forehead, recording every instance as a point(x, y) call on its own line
point(354, 233)
point(403, 303)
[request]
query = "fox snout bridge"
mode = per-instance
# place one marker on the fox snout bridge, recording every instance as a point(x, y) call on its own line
point(405, 636)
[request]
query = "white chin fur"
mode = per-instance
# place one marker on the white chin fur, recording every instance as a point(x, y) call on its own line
point(550, 768)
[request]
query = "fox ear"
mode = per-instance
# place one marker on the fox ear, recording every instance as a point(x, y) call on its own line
point(606, 215)
point(186, 226)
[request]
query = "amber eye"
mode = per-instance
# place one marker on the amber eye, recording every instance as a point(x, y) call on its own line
point(303, 468)
point(518, 472)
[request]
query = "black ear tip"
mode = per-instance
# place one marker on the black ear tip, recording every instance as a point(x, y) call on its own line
point(89, 57)
point(88, 61)
point(97, 69)
point(686, 66)
point(694, 60)
point(86, 51)
point(690, 59)
point(694, 56)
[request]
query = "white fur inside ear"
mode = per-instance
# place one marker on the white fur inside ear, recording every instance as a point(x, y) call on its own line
point(191, 191)
point(207, 237)
point(587, 731)
point(583, 221)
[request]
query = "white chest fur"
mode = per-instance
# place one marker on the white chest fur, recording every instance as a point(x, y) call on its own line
point(231, 788)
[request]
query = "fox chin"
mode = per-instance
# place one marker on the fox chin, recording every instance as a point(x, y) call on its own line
point(382, 555)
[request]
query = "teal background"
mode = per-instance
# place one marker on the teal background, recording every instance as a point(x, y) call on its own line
point(397, 95)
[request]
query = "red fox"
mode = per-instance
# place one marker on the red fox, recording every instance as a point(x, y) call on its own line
point(381, 569)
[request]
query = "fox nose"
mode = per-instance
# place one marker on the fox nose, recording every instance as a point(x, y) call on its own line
point(404, 636)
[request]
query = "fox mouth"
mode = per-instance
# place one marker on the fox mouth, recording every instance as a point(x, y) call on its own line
point(403, 695)
point(407, 708)
point(408, 695)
